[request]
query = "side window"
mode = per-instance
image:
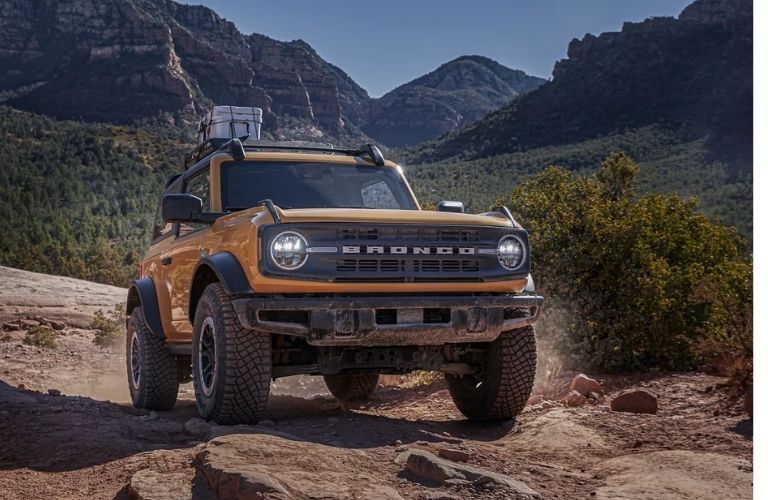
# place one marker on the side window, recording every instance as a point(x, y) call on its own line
point(159, 228)
point(199, 186)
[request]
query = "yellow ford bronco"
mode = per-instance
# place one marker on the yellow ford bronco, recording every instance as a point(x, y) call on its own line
point(276, 259)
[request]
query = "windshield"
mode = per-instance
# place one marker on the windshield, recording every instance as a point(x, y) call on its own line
point(313, 185)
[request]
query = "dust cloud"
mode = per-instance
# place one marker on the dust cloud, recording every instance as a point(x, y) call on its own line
point(105, 379)
point(551, 362)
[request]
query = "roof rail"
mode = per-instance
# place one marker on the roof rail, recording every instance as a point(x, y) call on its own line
point(214, 145)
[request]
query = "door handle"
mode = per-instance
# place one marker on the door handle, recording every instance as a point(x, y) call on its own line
point(166, 260)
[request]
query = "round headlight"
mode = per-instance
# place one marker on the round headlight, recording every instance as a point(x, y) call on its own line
point(288, 250)
point(511, 252)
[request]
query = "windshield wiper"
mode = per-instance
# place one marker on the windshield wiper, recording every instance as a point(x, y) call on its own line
point(237, 209)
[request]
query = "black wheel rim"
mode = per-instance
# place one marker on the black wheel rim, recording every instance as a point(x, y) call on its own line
point(471, 382)
point(135, 360)
point(207, 357)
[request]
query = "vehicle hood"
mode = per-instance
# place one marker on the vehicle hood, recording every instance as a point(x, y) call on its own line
point(389, 217)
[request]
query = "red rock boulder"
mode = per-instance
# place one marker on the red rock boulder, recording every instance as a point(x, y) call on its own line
point(636, 401)
point(584, 385)
point(574, 399)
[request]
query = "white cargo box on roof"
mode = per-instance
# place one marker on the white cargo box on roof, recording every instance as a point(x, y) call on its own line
point(228, 122)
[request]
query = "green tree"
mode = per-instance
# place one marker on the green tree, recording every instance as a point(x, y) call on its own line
point(617, 176)
point(625, 275)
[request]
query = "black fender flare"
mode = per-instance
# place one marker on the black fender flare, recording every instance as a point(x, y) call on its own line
point(142, 293)
point(222, 267)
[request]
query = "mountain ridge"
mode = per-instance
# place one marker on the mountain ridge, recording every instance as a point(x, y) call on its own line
point(671, 71)
point(453, 95)
point(134, 61)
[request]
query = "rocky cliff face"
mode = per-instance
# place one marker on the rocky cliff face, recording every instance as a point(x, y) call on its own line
point(91, 60)
point(693, 73)
point(124, 61)
point(454, 95)
point(121, 61)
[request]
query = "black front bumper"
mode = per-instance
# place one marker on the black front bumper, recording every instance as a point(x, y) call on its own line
point(357, 321)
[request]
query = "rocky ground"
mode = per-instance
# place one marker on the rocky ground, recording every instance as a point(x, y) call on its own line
point(66, 431)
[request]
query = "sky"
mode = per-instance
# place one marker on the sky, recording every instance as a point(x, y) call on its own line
point(387, 43)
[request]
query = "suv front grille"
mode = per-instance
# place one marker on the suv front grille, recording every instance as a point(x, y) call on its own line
point(395, 253)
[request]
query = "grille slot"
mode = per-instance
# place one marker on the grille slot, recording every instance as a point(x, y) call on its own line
point(370, 265)
point(446, 266)
point(358, 233)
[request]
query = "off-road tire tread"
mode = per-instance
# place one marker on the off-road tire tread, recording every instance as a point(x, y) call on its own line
point(248, 365)
point(159, 384)
point(354, 387)
point(513, 371)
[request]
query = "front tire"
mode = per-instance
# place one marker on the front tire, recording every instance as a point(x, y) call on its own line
point(507, 369)
point(153, 378)
point(355, 387)
point(231, 366)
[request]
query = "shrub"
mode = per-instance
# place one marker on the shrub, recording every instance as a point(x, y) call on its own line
point(41, 336)
point(429, 205)
point(631, 283)
point(109, 326)
point(421, 378)
point(726, 340)
point(414, 379)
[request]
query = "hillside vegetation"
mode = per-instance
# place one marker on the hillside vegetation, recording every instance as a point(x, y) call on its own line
point(78, 199)
point(670, 162)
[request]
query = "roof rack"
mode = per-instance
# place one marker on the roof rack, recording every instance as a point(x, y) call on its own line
point(236, 146)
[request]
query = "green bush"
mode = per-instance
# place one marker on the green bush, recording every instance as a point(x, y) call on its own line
point(109, 326)
point(41, 336)
point(631, 282)
point(726, 339)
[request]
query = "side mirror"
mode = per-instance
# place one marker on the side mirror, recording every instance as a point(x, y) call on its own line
point(185, 208)
point(450, 206)
point(181, 207)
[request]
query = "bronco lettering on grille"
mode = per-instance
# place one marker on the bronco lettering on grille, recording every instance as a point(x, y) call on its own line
point(406, 250)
